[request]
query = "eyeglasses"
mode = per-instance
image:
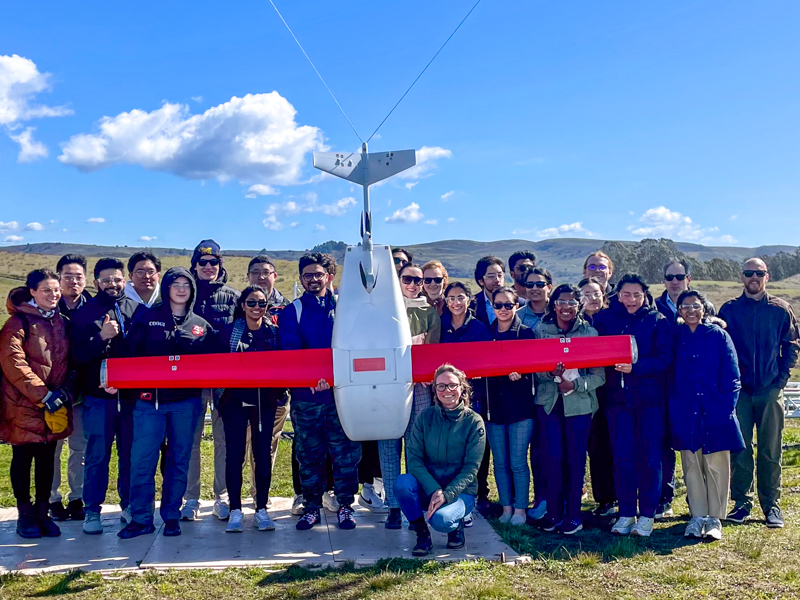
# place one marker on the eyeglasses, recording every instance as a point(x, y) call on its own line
point(261, 274)
point(214, 262)
point(597, 267)
point(694, 306)
point(506, 305)
point(593, 296)
point(409, 280)
point(750, 273)
point(436, 280)
point(73, 278)
point(50, 291)
point(679, 277)
point(494, 276)
point(110, 280)
point(254, 303)
point(181, 286)
point(313, 276)
point(572, 303)
point(629, 295)
point(145, 272)
point(535, 284)
point(450, 387)
point(453, 299)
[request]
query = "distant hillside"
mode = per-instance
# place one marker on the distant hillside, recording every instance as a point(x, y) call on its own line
point(564, 257)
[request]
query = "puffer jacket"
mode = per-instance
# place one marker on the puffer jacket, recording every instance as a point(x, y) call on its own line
point(445, 449)
point(583, 400)
point(704, 390)
point(216, 301)
point(32, 365)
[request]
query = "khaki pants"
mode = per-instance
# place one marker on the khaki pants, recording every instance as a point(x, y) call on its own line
point(218, 432)
point(707, 478)
point(77, 450)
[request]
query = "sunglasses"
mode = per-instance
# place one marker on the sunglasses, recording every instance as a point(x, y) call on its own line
point(597, 267)
point(679, 277)
point(572, 303)
point(254, 303)
point(695, 306)
point(506, 305)
point(450, 387)
point(436, 280)
point(313, 276)
point(758, 273)
point(409, 280)
point(398, 260)
point(535, 284)
point(214, 262)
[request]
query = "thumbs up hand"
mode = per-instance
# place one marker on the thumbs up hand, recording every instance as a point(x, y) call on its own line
point(109, 329)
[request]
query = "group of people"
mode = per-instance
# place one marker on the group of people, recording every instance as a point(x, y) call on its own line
point(700, 384)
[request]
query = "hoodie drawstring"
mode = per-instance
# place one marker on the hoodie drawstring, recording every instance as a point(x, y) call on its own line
point(259, 410)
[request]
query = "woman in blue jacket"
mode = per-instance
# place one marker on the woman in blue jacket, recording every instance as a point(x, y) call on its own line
point(702, 410)
point(636, 399)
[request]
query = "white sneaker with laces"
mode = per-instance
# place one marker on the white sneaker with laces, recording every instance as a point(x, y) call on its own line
point(713, 529)
point(92, 524)
point(298, 505)
point(643, 527)
point(221, 510)
point(329, 501)
point(469, 520)
point(377, 484)
point(190, 510)
point(125, 516)
point(623, 526)
point(695, 528)
point(263, 522)
point(369, 499)
point(235, 522)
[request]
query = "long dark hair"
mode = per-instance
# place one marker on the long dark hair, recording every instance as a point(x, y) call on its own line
point(564, 288)
point(238, 312)
point(700, 296)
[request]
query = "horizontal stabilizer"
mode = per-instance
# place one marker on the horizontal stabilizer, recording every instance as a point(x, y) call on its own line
point(380, 165)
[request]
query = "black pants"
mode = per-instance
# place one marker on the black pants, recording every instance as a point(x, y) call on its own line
point(370, 465)
point(42, 456)
point(328, 471)
point(235, 420)
point(483, 474)
point(601, 461)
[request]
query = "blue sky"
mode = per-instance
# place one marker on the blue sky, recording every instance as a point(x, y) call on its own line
point(615, 120)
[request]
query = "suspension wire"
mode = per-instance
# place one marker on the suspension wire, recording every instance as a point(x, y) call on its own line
point(318, 73)
point(474, 6)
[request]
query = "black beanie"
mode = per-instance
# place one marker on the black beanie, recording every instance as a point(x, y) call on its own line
point(206, 248)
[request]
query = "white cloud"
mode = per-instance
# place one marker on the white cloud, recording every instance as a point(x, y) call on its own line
point(661, 222)
point(431, 222)
point(9, 226)
point(147, 238)
point(295, 224)
point(567, 230)
point(254, 139)
point(306, 204)
point(451, 220)
point(409, 214)
point(319, 227)
point(29, 149)
point(426, 162)
point(261, 189)
point(197, 99)
point(411, 184)
point(448, 195)
point(96, 220)
point(734, 217)
point(34, 226)
point(13, 238)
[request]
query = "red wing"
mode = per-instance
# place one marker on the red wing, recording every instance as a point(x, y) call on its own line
point(489, 359)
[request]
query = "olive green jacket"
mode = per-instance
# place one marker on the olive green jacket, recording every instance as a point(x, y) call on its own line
point(424, 319)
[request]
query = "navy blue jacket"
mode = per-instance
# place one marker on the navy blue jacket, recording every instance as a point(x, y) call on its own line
point(646, 384)
point(702, 399)
point(315, 330)
point(666, 310)
point(471, 331)
point(510, 401)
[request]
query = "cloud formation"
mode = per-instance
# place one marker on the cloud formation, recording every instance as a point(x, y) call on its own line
point(253, 140)
point(29, 149)
point(96, 220)
point(9, 226)
point(147, 238)
point(15, 239)
point(431, 222)
point(427, 158)
point(567, 230)
point(409, 214)
point(34, 226)
point(447, 195)
point(661, 222)
point(308, 203)
point(261, 189)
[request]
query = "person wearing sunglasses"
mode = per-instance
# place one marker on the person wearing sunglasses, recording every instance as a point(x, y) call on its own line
point(702, 411)
point(490, 274)
point(636, 402)
point(765, 333)
point(510, 413)
point(426, 328)
point(538, 283)
point(251, 331)
point(444, 452)
point(171, 328)
point(566, 399)
point(518, 264)
point(434, 281)
point(401, 257)
point(144, 270)
point(677, 279)
point(600, 266)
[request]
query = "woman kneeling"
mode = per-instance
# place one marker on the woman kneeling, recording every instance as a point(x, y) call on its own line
point(444, 451)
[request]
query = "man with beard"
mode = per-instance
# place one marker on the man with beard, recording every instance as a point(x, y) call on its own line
point(765, 334)
point(97, 333)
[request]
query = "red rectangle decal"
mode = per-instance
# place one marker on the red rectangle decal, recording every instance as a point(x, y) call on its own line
point(369, 364)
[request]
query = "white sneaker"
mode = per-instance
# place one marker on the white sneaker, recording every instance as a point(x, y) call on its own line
point(713, 529)
point(505, 517)
point(469, 520)
point(298, 505)
point(369, 499)
point(623, 526)
point(517, 520)
point(263, 522)
point(695, 528)
point(221, 510)
point(329, 501)
point(538, 511)
point(377, 484)
point(269, 502)
point(92, 524)
point(190, 510)
point(125, 516)
point(235, 524)
point(643, 527)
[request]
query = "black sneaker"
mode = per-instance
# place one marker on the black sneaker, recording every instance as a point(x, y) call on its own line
point(395, 519)
point(346, 520)
point(607, 509)
point(484, 506)
point(75, 510)
point(455, 539)
point(774, 518)
point(308, 520)
point(172, 528)
point(738, 515)
point(58, 512)
point(134, 529)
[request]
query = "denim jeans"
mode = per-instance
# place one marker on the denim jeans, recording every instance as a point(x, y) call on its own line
point(178, 421)
point(413, 501)
point(509, 445)
point(103, 421)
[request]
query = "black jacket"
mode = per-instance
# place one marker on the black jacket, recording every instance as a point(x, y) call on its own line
point(765, 335)
point(471, 331)
point(510, 401)
point(89, 349)
point(216, 300)
point(479, 308)
point(67, 312)
point(157, 333)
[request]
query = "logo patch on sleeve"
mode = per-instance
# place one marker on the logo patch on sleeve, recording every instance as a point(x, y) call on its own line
point(197, 330)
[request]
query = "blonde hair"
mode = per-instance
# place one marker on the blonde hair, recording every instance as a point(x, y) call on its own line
point(466, 388)
point(599, 254)
point(435, 264)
